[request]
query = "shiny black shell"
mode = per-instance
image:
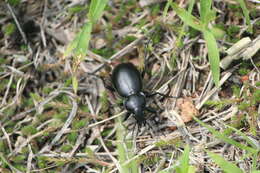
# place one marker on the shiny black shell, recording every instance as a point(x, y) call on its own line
point(126, 79)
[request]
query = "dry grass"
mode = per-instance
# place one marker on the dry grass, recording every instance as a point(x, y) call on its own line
point(46, 127)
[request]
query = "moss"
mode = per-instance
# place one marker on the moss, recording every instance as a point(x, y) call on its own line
point(78, 124)
point(3, 146)
point(219, 104)
point(14, 2)
point(105, 52)
point(243, 106)
point(256, 97)
point(9, 29)
point(9, 111)
point(235, 90)
point(63, 98)
point(233, 6)
point(90, 153)
point(66, 148)
point(72, 137)
point(41, 161)
point(77, 9)
point(149, 159)
point(46, 90)
point(35, 96)
point(3, 84)
point(21, 167)
point(19, 158)
point(29, 130)
point(155, 10)
point(104, 102)
point(243, 71)
point(84, 108)
point(127, 39)
point(232, 31)
point(61, 116)
point(105, 132)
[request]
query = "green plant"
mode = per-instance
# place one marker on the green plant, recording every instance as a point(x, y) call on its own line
point(206, 15)
point(251, 149)
point(183, 165)
point(79, 46)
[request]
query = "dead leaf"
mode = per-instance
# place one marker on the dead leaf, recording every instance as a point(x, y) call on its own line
point(187, 109)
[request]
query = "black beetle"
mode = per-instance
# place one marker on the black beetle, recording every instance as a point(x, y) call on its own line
point(128, 83)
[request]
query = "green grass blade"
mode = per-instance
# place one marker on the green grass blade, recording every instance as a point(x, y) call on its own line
point(223, 164)
point(83, 41)
point(205, 6)
point(184, 161)
point(213, 55)
point(243, 135)
point(71, 47)
point(227, 139)
point(206, 14)
point(182, 32)
point(187, 18)
point(246, 14)
point(184, 166)
point(166, 8)
point(96, 9)
point(74, 84)
point(123, 147)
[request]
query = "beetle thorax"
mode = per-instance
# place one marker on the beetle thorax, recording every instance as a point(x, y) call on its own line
point(136, 104)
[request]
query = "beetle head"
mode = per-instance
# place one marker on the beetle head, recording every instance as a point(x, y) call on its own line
point(136, 105)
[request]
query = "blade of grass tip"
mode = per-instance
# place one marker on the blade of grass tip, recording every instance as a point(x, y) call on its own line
point(213, 55)
point(83, 42)
point(96, 9)
point(184, 161)
point(223, 164)
point(166, 8)
point(182, 33)
point(246, 14)
point(226, 139)
point(187, 18)
point(205, 6)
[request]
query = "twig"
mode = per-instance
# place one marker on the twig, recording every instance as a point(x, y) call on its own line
point(79, 141)
point(16, 22)
point(7, 90)
point(3, 159)
point(20, 68)
point(51, 96)
point(7, 138)
point(18, 26)
point(122, 52)
point(28, 140)
point(29, 161)
point(210, 93)
point(67, 123)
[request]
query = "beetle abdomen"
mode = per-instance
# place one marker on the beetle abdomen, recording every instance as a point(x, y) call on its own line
point(126, 79)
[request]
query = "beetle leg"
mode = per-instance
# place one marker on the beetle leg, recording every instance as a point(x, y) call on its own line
point(127, 116)
point(149, 109)
point(161, 94)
